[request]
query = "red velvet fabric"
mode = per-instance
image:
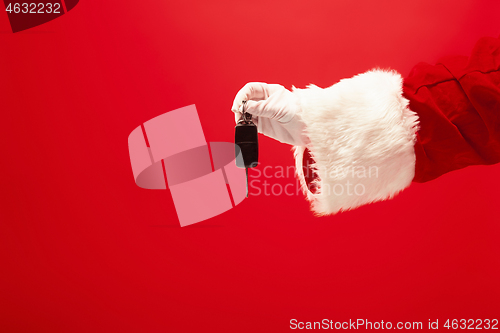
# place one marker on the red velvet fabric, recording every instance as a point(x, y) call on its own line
point(458, 104)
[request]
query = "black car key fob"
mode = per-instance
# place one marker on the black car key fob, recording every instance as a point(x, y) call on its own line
point(246, 142)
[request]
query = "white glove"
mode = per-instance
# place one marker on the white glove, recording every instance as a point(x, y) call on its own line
point(274, 109)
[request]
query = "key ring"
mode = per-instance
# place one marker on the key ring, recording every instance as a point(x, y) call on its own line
point(247, 117)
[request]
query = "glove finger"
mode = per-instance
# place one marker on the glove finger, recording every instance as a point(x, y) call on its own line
point(258, 109)
point(254, 91)
point(251, 91)
point(275, 107)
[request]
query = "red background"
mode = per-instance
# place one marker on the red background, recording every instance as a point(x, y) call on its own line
point(83, 249)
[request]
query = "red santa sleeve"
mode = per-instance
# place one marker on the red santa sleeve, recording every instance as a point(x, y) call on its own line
point(458, 105)
point(373, 134)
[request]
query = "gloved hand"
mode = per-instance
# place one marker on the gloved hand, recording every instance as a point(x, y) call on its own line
point(274, 109)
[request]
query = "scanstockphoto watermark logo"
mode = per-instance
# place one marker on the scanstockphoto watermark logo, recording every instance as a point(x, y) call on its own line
point(28, 14)
point(281, 180)
point(361, 324)
point(170, 152)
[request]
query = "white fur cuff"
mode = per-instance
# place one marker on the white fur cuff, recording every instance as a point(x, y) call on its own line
point(362, 136)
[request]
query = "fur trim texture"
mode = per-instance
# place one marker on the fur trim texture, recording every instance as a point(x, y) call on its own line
point(362, 136)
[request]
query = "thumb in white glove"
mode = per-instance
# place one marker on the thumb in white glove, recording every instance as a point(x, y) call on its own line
point(275, 110)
